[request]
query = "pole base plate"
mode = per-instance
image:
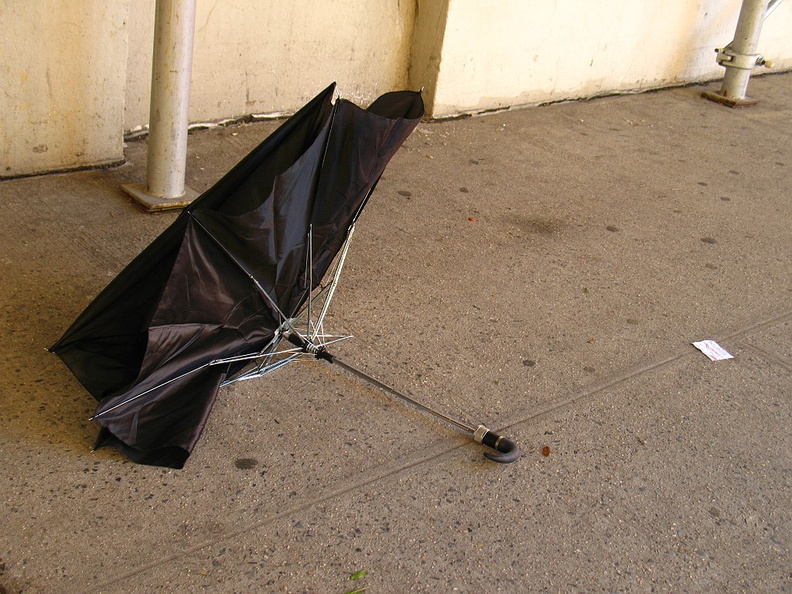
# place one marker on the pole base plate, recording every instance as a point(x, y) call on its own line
point(729, 101)
point(153, 204)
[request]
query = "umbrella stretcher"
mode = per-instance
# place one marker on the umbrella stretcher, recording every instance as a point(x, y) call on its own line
point(240, 284)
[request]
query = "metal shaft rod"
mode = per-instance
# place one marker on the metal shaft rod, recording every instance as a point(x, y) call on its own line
point(393, 392)
point(746, 38)
point(506, 450)
point(170, 97)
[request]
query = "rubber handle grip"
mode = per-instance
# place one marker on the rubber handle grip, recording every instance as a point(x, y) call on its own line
point(507, 450)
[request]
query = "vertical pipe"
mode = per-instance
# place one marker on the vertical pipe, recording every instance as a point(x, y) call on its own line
point(746, 39)
point(771, 6)
point(174, 28)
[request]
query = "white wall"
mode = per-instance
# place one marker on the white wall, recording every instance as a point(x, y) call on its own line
point(533, 51)
point(75, 75)
point(61, 84)
point(270, 56)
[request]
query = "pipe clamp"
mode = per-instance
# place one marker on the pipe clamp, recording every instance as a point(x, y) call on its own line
point(731, 59)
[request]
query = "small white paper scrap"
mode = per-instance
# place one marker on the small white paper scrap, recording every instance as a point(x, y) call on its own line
point(713, 350)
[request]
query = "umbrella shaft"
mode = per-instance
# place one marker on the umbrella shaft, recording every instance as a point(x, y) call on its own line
point(393, 392)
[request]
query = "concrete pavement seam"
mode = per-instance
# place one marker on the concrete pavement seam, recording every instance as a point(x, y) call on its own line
point(187, 552)
point(769, 356)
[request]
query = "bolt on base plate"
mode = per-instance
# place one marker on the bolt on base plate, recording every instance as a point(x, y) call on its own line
point(152, 204)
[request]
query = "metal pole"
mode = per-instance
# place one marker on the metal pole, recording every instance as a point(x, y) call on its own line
point(746, 38)
point(739, 57)
point(771, 6)
point(174, 28)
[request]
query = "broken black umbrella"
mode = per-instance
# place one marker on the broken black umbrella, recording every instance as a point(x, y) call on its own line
point(242, 267)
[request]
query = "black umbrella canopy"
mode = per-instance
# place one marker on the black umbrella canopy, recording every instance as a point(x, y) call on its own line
point(223, 278)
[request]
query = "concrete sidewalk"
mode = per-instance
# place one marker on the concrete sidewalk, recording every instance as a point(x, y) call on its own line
point(541, 271)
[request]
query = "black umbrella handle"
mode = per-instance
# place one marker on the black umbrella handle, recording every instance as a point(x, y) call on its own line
point(506, 450)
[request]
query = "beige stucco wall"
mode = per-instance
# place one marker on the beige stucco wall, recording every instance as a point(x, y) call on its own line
point(61, 84)
point(75, 75)
point(270, 56)
point(533, 51)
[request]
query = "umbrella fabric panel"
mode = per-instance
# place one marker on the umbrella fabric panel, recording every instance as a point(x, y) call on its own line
point(207, 287)
point(105, 362)
point(169, 405)
point(209, 310)
point(361, 143)
point(249, 182)
point(164, 430)
point(270, 241)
